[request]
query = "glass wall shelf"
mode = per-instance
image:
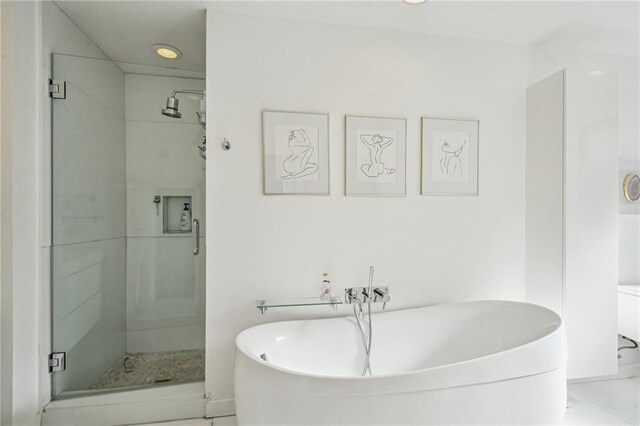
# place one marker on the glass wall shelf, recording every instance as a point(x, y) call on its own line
point(300, 301)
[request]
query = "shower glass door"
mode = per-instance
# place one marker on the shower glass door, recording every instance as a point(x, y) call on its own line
point(127, 289)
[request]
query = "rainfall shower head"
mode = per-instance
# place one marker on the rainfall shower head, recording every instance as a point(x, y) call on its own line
point(172, 103)
point(172, 108)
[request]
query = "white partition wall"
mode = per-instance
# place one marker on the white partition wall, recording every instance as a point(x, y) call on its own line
point(545, 192)
point(571, 243)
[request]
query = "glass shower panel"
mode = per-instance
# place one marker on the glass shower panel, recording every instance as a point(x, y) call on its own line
point(127, 289)
point(88, 254)
point(165, 310)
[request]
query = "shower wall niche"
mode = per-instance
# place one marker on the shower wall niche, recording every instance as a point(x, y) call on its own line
point(127, 289)
point(176, 214)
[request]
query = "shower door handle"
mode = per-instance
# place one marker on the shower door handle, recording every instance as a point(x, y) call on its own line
point(196, 236)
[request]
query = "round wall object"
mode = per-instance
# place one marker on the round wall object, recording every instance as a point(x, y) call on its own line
point(631, 187)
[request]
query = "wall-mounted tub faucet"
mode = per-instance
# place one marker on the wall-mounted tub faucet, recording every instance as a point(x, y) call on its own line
point(361, 295)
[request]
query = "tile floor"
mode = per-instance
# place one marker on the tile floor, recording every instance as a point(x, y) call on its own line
point(587, 406)
point(607, 402)
point(613, 400)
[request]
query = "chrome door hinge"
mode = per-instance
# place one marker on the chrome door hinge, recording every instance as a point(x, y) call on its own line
point(57, 89)
point(57, 361)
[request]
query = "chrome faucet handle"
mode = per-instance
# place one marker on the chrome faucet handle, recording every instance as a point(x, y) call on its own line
point(349, 295)
point(381, 294)
point(365, 295)
point(352, 295)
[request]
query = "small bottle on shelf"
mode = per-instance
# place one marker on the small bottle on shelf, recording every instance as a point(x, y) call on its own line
point(185, 219)
point(326, 287)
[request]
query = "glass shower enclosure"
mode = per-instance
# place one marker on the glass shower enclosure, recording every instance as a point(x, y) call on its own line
point(128, 193)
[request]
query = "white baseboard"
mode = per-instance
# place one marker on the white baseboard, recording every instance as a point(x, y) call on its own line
point(131, 407)
point(221, 408)
point(624, 372)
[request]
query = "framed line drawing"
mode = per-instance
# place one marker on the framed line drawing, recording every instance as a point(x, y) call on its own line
point(376, 156)
point(449, 156)
point(295, 153)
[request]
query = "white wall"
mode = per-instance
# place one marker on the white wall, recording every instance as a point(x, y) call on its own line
point(545, 192)
point(6, 240)
point(629, 155)
point(21, 319)
point(427, 249)
point(594, 118)
point(165, 281)
point(548, 58)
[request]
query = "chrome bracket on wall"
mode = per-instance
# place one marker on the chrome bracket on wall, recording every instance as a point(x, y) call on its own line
point(57, 89)
point(57, 361)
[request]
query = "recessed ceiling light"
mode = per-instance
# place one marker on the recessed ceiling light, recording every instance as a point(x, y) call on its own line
point(166, 51)
point(414, 1)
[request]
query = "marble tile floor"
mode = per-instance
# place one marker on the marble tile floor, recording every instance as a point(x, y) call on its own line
point(604, 402)
point(137, 369)
point(611, 400)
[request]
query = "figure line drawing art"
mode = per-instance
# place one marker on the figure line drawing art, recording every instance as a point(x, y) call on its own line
point(450, 163)
point(376, 144)
point(299, 164)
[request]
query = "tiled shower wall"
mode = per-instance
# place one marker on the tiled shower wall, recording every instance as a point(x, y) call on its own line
point(165, 281)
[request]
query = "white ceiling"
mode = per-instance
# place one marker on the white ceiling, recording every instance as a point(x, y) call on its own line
point(126, 30)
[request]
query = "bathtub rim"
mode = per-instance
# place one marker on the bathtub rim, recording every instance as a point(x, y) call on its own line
point(258, 361)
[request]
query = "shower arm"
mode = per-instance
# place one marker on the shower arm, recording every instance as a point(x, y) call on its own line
point(188, 92)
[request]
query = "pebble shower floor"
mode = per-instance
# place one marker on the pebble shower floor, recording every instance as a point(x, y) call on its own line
point(139, 369)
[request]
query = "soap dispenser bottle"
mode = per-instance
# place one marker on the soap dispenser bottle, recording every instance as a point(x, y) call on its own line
point(326, 287)
point(185, 219)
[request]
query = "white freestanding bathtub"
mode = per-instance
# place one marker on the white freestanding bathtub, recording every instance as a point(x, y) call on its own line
point(486, 362)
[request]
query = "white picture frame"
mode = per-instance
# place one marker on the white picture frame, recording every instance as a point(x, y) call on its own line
point(376, 156)
point(295, 153)
point(449, 156)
